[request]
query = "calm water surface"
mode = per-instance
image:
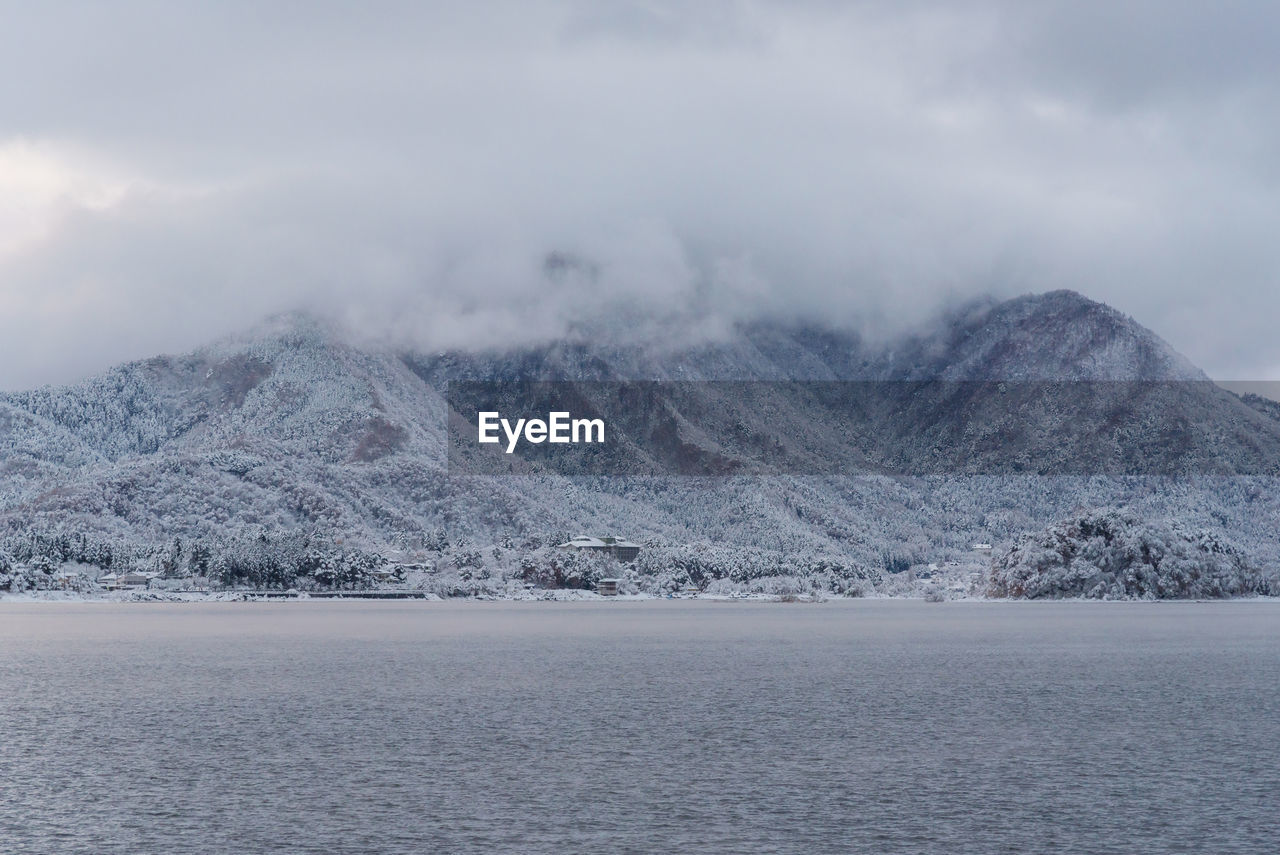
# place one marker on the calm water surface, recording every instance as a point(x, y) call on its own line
point(679, 727)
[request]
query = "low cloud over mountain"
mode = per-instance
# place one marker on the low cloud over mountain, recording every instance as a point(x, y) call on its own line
point(296, 427)
point(456, 177)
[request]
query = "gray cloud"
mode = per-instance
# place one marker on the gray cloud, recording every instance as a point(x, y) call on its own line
point(171, 172)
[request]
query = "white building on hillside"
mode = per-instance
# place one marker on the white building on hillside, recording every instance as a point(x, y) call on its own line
point(619, 548)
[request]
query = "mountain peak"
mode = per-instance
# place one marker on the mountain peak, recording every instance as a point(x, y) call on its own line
point(1058, 335)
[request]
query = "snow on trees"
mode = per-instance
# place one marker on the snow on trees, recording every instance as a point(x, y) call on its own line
point(1114, 554)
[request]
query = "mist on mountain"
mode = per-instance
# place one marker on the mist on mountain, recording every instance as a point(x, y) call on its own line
point(298, 426)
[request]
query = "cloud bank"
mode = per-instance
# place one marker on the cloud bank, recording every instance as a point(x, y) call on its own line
point(507, 172)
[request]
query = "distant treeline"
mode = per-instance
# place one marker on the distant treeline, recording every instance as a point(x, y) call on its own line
point(256, 560)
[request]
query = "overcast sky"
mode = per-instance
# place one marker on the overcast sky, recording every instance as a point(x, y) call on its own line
point(170, 172)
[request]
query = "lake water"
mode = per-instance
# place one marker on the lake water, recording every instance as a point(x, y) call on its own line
point(861, 726)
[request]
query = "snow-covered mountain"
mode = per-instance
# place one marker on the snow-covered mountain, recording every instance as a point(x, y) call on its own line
point(1054, 384)
point(294, 426)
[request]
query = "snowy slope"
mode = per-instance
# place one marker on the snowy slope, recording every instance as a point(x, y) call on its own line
point(292, 426)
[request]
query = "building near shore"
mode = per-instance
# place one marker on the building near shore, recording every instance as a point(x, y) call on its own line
point(619, 548)
point(135, 579)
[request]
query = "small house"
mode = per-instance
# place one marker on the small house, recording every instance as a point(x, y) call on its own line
point(607, 587)
point(68, 580)
point(135, 579)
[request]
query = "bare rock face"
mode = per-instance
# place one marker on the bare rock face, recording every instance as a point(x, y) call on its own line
point(234, 378)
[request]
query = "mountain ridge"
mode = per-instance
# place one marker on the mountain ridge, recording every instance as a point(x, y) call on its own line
point(292, 426)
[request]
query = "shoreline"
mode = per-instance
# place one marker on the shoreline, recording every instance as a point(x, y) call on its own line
point(550, 596)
